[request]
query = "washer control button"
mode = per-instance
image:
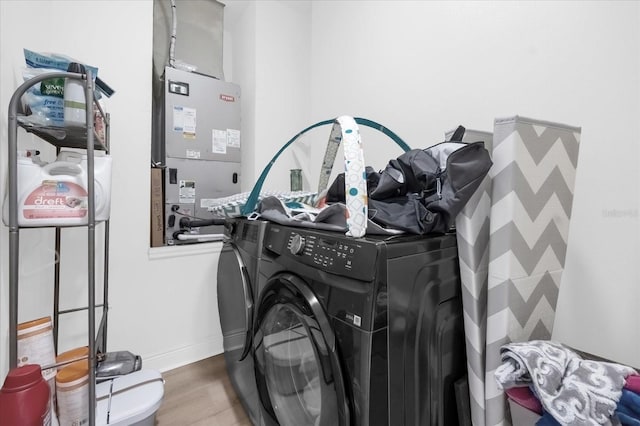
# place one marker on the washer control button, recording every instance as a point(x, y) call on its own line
point(297, 244)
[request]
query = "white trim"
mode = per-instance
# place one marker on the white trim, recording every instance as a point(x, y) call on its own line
point(167, 252)
point(185, 355)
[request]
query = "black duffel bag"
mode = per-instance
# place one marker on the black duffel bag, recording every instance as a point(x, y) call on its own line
point(423, 190)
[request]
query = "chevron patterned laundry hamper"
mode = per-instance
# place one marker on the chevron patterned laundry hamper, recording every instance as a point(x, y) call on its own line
point(533, 176)
point(512, 238)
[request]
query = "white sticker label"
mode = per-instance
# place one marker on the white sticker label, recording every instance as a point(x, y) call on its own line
point(187, 192)
point(193, 154)
point(357, 320)
point(189, 123)
point(233, 138)
point(178, 118)
point(206, 203)
point(219, 144)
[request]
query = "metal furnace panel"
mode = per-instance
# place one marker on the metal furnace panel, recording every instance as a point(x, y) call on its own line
point(189, 187)
point(202, 117)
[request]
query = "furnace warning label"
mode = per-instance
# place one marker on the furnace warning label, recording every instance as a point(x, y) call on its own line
point(219, 141)
point(233, 138)
point(189, 123)
point(184, 120)
point(193, 154)
point(178, 118)
point(187, 193)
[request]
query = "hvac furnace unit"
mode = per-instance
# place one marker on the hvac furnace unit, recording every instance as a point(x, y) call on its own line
point(201, 151)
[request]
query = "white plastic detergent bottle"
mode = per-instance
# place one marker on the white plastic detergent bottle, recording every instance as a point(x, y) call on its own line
point(102, 178)
point(56, 194)
point(101, 175)
point(75, 104)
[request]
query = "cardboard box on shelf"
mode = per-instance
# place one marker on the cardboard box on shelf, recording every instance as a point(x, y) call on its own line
point(157, 208)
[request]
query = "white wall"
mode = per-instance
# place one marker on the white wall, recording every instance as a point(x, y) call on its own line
point(271, 56)
point(424, 67)
point(419, 68)
point(163, 305)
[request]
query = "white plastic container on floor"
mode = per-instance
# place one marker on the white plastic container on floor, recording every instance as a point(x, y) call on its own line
point(135, 399)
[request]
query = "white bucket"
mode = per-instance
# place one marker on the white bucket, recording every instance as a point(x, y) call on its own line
point(130, 400)
point(56, 194)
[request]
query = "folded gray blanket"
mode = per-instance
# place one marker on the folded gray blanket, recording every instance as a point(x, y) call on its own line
point(573, 390)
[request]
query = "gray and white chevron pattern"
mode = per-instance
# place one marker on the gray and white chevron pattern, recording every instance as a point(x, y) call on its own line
point(472, 228)
point(533, 176)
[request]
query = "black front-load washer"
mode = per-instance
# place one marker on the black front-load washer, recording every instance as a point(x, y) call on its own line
point(357, 331)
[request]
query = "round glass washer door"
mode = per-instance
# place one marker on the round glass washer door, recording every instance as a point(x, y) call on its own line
point(296, 368)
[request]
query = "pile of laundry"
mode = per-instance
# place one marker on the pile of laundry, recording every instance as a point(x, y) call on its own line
point(420, 192)
point(565, 389)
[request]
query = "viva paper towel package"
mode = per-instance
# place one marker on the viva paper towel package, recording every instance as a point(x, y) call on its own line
point(55, 194)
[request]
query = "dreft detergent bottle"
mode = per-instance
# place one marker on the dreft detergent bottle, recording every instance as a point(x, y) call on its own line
point(56, 194)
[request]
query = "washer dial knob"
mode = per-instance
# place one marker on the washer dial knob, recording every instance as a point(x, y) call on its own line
point(297, 244)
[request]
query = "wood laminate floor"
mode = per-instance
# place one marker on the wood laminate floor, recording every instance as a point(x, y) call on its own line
point(200, 394)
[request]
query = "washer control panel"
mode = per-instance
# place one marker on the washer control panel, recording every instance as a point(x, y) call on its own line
point(332, 253)
point(336, 254)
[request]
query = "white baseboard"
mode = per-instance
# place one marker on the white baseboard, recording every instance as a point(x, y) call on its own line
point(185, 355)
point(166, 252)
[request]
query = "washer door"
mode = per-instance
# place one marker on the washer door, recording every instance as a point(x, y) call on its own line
point(235, 302)
point(298, 371)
